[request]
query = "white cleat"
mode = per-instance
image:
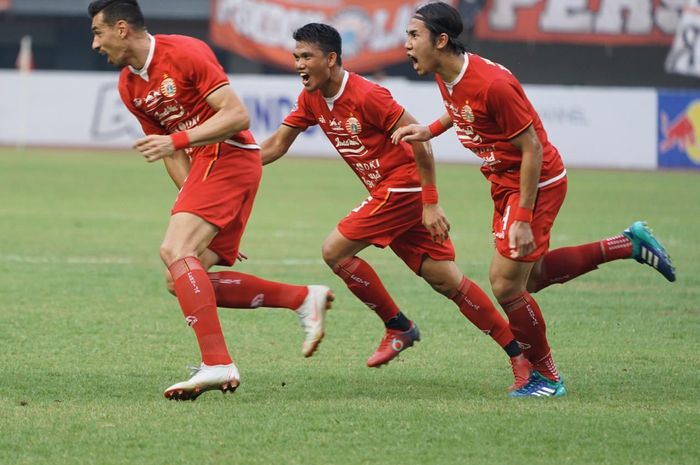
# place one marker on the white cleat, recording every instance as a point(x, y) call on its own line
point(312, 316)
point(205, 378)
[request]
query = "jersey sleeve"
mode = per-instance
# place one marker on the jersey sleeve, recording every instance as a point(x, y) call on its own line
point(200, 66)
point(147, 124)
point(380, 109)
point(507, 102)
point(301, 116)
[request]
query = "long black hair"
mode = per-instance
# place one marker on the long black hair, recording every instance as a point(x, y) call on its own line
point(441, 18)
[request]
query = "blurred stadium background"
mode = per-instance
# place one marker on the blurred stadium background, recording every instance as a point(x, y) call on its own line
point(612, 86)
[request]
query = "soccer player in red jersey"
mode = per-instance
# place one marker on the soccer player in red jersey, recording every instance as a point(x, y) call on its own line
point(493, 117)
point(402, 212)
point(197, 125)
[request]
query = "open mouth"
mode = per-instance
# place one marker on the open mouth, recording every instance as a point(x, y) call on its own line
point(304, 78)
point(414, 61)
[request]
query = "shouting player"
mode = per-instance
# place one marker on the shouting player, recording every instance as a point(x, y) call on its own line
point(402, 212)
point(493, 118)
point(197, 125)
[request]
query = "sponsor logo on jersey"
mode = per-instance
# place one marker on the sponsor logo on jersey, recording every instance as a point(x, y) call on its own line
point(353, 126)
point(335, 125)
point(168, 87)
point(152, 98)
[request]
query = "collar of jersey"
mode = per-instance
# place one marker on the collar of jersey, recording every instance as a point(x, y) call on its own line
point(143, 72)
point(461, 74)
point(331, 100)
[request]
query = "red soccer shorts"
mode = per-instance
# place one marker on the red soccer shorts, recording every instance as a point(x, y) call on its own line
point(505, 200)
point(395, 220)
point(220, 189)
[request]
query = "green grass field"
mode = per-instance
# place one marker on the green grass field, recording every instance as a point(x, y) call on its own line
point(90, 338)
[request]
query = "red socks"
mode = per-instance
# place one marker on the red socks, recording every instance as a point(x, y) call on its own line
point(528, 326)
point(366, 285)
point(196, 296)
point(478, 308)
point(239, 290)
point(566, 263)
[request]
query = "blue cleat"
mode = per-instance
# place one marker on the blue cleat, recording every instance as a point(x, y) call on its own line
point(539, 386)
point(647, 249)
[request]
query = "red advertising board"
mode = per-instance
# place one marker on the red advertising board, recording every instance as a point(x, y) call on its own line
point(605, 22)
point(373, 31)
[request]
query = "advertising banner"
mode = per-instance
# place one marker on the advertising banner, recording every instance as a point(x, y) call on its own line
point(606, 22)
point(373, 31)
point(591, 127)
point(684, 57)
point(679, 129)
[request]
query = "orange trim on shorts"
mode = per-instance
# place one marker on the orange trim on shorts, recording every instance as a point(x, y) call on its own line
point(211, 163)
point(386, 199)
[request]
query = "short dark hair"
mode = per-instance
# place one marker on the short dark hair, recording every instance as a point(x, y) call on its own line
point(117, 10)
point(327, 37)
point(441, 18)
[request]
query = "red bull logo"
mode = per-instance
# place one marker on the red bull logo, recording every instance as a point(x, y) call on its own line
point(683, 132)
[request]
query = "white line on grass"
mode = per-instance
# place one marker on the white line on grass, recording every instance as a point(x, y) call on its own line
point(92, 260)
point(67, 260)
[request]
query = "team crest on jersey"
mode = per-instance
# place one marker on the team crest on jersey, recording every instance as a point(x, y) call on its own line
point(137, 102)
point(467, 113)
point(168, 87)
point(352, 125)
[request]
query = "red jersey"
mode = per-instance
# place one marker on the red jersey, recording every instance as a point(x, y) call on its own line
point(488, 107)
point(169, 93)
point(358, 121)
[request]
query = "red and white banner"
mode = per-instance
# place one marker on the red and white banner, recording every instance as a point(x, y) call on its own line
point(373, 31)
point(608, 22)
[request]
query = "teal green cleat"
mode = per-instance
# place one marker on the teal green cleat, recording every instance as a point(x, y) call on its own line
point(539, 386)
point(647, 249)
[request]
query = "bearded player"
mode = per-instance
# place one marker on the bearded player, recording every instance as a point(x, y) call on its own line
point(197, 125)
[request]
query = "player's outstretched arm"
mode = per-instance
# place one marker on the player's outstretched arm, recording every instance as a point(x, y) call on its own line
point(418, 133)
point(521, 239)
point(278, 143)
point(434, 218)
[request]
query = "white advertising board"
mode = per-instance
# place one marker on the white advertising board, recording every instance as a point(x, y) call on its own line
point(592, 127)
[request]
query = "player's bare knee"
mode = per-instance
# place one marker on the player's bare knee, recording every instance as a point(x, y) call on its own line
point(170, 254)
point(442, 287)
point(504, 289)
point(436, 281)
point(167, 254)
point(331, 256)
point(442, 276)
